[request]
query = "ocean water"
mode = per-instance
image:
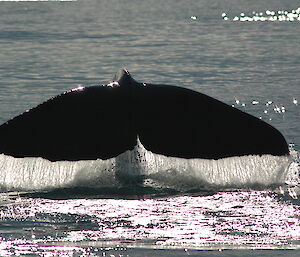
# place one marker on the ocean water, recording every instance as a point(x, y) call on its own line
point(244, 53)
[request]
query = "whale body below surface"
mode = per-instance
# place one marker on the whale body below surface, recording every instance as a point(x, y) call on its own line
point(102, 122)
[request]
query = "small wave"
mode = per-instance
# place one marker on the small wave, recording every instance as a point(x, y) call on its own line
point(148, 171)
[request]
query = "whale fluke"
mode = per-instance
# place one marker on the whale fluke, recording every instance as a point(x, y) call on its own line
point(104, 121)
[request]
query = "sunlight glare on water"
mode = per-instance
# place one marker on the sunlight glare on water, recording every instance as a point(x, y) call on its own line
point(275, 16)
point(242, 218)
point(244, 53)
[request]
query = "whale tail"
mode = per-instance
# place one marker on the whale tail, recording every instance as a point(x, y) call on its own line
point(105, 121)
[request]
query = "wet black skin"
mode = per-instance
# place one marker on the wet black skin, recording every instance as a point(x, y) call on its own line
point(105, 121)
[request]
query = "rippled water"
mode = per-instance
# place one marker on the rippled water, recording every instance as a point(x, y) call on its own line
point(233, 50)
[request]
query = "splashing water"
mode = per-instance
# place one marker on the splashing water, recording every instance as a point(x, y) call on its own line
point(154, 170)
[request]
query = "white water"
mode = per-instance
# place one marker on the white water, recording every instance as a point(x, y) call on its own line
point(27, 174)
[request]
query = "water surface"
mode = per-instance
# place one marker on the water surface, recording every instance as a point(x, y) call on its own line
point(196, 209)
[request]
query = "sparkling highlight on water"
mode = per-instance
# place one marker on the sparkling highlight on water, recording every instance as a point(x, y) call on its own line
point(268, 15)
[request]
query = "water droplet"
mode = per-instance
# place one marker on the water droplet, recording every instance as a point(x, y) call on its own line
point(269, 103)
point(295, 102)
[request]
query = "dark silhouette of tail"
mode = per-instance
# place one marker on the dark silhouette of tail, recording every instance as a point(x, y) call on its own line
point(105, 121)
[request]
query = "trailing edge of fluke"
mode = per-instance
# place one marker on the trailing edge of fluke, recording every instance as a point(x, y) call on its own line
point(105, 121)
